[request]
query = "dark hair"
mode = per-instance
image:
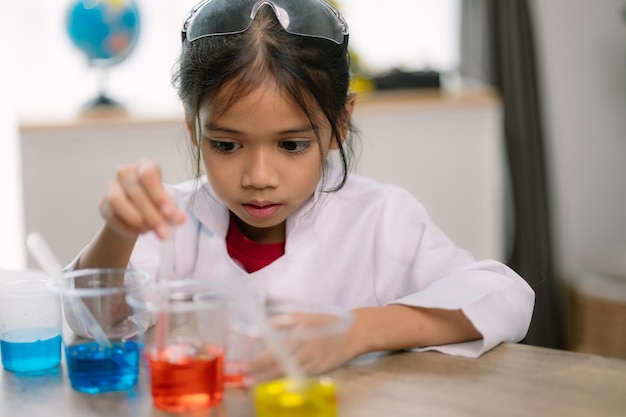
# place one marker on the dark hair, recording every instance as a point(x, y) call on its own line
point(309, 70)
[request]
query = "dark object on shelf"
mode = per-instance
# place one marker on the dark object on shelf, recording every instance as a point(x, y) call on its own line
point(102, 101)
point(398, 79)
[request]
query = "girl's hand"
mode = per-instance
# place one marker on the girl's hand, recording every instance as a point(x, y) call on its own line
point(303, 336)
point(136, 202)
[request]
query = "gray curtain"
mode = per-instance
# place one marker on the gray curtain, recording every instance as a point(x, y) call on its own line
point(497, 47)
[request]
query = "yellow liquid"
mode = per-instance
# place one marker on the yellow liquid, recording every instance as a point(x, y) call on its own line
point(316, 398)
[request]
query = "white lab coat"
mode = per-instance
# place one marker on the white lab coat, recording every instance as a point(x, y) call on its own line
point(369, 244)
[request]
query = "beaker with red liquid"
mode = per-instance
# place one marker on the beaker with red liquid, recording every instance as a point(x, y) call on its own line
point(185, 350)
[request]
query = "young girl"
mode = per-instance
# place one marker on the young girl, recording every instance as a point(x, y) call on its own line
point(264, 86)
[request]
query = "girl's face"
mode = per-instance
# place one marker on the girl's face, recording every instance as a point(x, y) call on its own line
point(262, 158)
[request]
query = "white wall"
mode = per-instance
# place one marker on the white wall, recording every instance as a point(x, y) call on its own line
point(409, 34)
point(11, 218)
point(54, 80)
point(582, 51)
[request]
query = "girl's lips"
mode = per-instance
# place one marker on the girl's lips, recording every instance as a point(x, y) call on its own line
point(261, 212)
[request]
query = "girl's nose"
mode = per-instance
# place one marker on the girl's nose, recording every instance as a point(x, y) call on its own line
point(260, 170)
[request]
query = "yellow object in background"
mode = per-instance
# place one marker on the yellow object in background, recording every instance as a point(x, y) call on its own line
point(281, 398)
point(360, 82)
point(361, 85)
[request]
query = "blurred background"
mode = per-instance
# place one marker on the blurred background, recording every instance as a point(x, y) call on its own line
point(573, 62)
point(54, 79)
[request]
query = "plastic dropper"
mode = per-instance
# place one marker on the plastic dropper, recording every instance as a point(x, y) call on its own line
point(51, 265)
point(247, 301)
point(162, 277)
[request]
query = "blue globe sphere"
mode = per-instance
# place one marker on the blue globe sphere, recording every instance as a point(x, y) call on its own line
point(106, 31)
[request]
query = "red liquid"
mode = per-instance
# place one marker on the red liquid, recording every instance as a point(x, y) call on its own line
point(236, 374)
point(188, 384)
point(234, 380)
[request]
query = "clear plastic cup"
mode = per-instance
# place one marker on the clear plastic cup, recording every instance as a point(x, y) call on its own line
point(322, 328)
point(186, 348)
point(30, 326)
point(244, 337)
point(92, 366)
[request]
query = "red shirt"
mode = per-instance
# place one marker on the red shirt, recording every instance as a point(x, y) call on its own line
point(251, 255)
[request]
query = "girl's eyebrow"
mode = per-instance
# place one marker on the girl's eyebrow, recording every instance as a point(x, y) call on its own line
point(212, 126)
point(216, 128)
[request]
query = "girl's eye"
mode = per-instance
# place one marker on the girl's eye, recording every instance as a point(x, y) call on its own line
point(224, 147)
point(295, 146)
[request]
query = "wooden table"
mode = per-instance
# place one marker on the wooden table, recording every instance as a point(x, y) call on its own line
point(511, 380)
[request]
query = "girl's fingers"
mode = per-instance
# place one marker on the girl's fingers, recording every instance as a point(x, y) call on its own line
point(149, 178)
point(136, 201)
point(138, 183)
point(149, 175)
point(264, 367)
point(119, 212)
point(119, 226)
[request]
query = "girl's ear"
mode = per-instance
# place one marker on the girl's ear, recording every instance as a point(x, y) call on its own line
point(346, 117)
point(191, 127)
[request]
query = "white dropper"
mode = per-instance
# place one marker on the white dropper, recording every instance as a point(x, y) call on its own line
point(51, 266)
point(163, 275)
point(254, 312)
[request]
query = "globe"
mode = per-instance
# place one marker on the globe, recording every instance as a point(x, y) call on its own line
point(105, 31)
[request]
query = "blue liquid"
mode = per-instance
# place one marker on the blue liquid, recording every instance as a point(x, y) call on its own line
point(93, 370)
point(30, 350)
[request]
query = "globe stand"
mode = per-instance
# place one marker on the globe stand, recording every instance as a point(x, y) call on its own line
point(103, 104)
point(102, 101)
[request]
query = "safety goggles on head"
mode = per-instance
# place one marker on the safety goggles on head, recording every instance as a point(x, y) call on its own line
point(315, 18)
